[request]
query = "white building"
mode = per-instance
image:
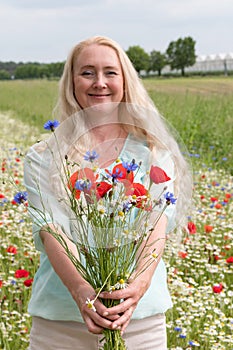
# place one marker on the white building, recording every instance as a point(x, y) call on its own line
point(213, 63)
point(209, 63)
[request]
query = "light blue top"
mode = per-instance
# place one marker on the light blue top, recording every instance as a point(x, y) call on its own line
point(50, 299)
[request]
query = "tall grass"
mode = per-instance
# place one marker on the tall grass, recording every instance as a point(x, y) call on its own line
point(31, 101)
point(200, 109)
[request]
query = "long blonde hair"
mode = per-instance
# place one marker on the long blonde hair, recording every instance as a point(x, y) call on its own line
point(158, 132)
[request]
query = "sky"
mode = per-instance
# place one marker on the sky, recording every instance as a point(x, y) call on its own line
point(46, 30)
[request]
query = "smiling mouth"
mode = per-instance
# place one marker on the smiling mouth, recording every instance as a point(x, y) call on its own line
point(97, 95)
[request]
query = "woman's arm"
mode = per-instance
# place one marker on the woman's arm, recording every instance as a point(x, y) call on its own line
point(79, 288)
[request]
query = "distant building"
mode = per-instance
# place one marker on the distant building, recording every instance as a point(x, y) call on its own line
point(209, 63)
point(213, 63)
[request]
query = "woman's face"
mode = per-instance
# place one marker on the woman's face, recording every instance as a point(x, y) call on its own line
point(98, 77)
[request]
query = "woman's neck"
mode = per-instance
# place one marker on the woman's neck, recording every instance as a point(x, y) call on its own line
point(104, 133)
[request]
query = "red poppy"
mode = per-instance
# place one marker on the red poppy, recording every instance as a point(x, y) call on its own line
point(230, 260)
point(139, 191)
point(182, 254)
point(216, 257)
point(213, 199)
point(21, 273)
point(218, 206)
point(158, 175)
point(192, 228)
point(208, 228)
point(1, 283)
point(102, 188)
point(11, 249)
point(228, 195)
point(2, 196)
point(202, 196)
point(28, 282)
point(217, 288)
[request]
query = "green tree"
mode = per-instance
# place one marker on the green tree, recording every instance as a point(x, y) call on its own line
point(138, 57)
point(4, 75)
point(181, 54)
point(157, 61)
point(55, 69)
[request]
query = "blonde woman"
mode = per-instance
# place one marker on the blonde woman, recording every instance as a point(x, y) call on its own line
point(103, 104)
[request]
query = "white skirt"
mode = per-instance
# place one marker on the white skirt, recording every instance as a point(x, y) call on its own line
point(145, 334)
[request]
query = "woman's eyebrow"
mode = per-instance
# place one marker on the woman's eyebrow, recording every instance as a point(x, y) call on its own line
point(92, 66)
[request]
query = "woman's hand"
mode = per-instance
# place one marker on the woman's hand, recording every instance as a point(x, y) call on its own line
point(96, 318)
point(130, 296)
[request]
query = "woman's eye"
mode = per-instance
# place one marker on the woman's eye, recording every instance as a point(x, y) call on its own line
point(87, 73)
point(111, 73)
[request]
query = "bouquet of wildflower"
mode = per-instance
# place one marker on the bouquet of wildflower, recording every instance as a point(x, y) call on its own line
point(110, 221)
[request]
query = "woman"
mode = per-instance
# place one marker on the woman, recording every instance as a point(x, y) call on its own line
point(104, 104)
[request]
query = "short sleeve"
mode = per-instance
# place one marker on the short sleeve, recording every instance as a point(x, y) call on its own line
point(43, 207)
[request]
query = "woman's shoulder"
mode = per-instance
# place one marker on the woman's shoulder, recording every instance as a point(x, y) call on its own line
point(38, 149)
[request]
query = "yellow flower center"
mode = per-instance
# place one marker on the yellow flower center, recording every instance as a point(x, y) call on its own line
point(120, 213)
point(122, 281)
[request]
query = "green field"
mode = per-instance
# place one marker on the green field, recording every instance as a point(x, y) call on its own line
point(200, 109)
point(199, 263)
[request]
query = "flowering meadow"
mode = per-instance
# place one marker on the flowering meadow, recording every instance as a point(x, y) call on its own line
point(199, 258)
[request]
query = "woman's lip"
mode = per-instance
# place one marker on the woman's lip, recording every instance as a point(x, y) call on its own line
point(96, 95)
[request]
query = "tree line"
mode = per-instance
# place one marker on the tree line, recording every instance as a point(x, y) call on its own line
point(30, 70)
point(179, 55)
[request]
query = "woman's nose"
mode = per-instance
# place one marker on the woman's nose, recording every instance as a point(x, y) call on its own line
point(100, 81)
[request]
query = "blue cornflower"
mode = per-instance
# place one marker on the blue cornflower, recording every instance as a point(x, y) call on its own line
point(20, 197)
point(83, 185)
point(224, 159)
point(91, 156)
point(130, 166)
point(183, 336)
point(177, 329)
point(170, 198)
point(192, 343)
point(51, 125)
point(115, 175)
point(126, 206)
